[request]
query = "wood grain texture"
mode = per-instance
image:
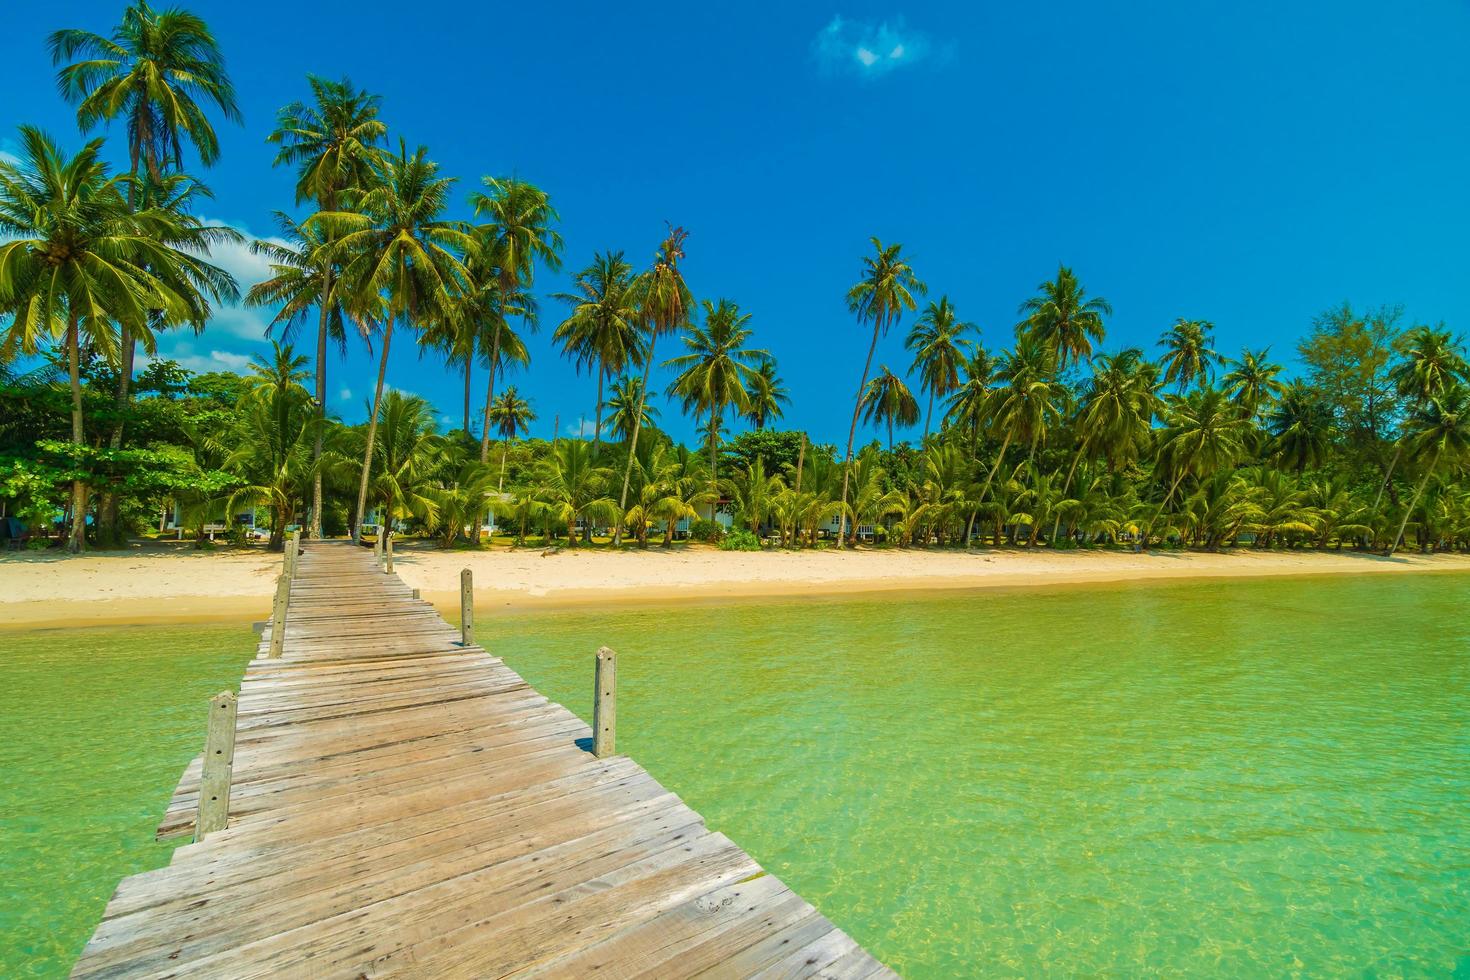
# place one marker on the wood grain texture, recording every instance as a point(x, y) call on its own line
point(401, 803)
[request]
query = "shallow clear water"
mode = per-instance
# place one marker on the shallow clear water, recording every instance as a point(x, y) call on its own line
point(1244, 778)
point(95, 727)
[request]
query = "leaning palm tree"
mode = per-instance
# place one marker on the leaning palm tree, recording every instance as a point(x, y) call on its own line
point(334, 142)
point(767, 394)
point(1064, 319)
point(888, 401)
point(601, 331)
point(512, 416)
point(516, 235)
point(716, 373)
point(938, 342)
point(78, 260)
point(1188, 356)
point(1202, 434)
point(664, 300)
point(1432, 361)
point(399, 260)
point(887, 288)
point(1437, 432)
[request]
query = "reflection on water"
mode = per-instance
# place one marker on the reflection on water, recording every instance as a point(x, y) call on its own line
point(1209, 778)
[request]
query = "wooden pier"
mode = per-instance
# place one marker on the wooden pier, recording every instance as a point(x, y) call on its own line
point(402, 803)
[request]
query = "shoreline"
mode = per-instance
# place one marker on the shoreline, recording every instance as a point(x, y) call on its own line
point(166, 586)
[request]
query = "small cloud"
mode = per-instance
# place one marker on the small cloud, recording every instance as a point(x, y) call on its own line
point(345, 395)
point(582, 428)
point(215, 360)
point(871, 49)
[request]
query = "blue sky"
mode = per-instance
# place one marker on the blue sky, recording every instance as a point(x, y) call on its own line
point(1247, 163)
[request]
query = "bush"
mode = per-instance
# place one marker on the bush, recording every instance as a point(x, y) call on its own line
point(740, 541)
point(703, 530)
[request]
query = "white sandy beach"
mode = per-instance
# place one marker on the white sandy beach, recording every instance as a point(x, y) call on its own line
point(151, 584)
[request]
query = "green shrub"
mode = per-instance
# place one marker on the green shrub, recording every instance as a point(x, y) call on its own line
point(740, 541)
point(702, 530)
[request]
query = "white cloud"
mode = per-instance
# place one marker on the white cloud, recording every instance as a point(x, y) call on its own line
point(204, 362)
point(871, 49)
point(345, 395)
point(582, 428)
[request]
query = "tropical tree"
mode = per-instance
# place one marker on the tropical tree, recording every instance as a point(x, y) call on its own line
point(512, 416)
point(334, 142)
point(407, 457)
point(717, 370)
point(400, 261)
point(273, 439)
point(1436, 432)
point(1025, 404)
point(888, 401)
point(1253, 382)
point(460, 501)
point(601, 331)
point(1188, 356)
point(1202, 434)
point(1063, 318)
point(572, 486)
point(664, 301)
point(628, 409)
point(78, 259)
point(1301, 427)
point(885, 291)
point(516, 235)
point(938, 342)
point(767, 394)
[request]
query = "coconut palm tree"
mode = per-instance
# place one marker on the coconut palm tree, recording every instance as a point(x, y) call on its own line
point(1253, 382)
point(888, 401)
point(460, 502)
point(78, 259)
point(1202, 434)
point(969, 405)
point(1437, 432)
point(664, 301)
point(1064, 319)
point(572, 486)
point(1301, 427)
point(516, 235)
point(407, 456)
point(512, 416)
point(717, 371)
point(938, 342)
point(602, 328)
point(1189, 357)
point(629, 410)
point(1432, 361)
point(273, 440)
point(767, 394)
point(1025, 403)
point(400, 261)
point(335, 144)
point(885, 291)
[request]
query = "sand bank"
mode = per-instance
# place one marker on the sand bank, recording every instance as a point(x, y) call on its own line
point(163, 584)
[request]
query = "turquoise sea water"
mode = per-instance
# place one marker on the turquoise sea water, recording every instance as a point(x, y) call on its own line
point(1243, 778)
point(95, 727)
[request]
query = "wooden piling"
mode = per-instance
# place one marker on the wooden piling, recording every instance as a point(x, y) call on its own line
point(388, 555)
point(293, 552)
point(278, 615)
point(416, 594)
point(219, 761)
point(605, 705)
point(466, 608)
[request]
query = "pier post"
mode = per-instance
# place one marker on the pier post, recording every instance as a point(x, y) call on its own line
point(293, 552)
point(219, 761)
point(278, 615)
point(416, 594)
point(388, 555)
point(605, 705)
point(378, 546)
point(466, 608)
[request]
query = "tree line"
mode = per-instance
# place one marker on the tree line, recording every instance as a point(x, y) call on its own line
point(1049, 438)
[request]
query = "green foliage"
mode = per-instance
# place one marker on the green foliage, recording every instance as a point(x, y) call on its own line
point(706, 530)
point(741, 540)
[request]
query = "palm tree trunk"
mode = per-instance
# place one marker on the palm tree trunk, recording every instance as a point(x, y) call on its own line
point(1433, 465)
point(504, 452)
point(321, 405)
point(1388, 476)
point(852, 431)
point(1149, 530)
point(1067, 485)
point(633, 442)
point(490, 395)
point(367, 453)
point(469, 364)
point(929, 413)
point(597, 426)
point(714, 476)
point(78, 540)
point(990, 477)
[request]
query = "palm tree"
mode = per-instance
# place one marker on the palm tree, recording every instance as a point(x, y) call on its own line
point(511, 415)
point(1252, 382)
point(938, 342)
point(272, 453)
point(1064, 319)
point(1202, 434)
point(406, 457)
point(664, 302)
point(602, 327)
point(1189, 357)
point(715, 373)
point(767, 394)
point(78, 259)
point(460, 502)
point(335, 144)
point(399, 260)
point(1301, 427)
point(887, 288)
point(629, 409)
point(1026, 402)
point(969, 406)
point(517, 235)
point(1437, 431)
point(573, 486)
point(888, 401)
point(1432, 361)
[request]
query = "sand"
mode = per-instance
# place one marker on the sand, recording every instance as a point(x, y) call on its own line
point(178, 584)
